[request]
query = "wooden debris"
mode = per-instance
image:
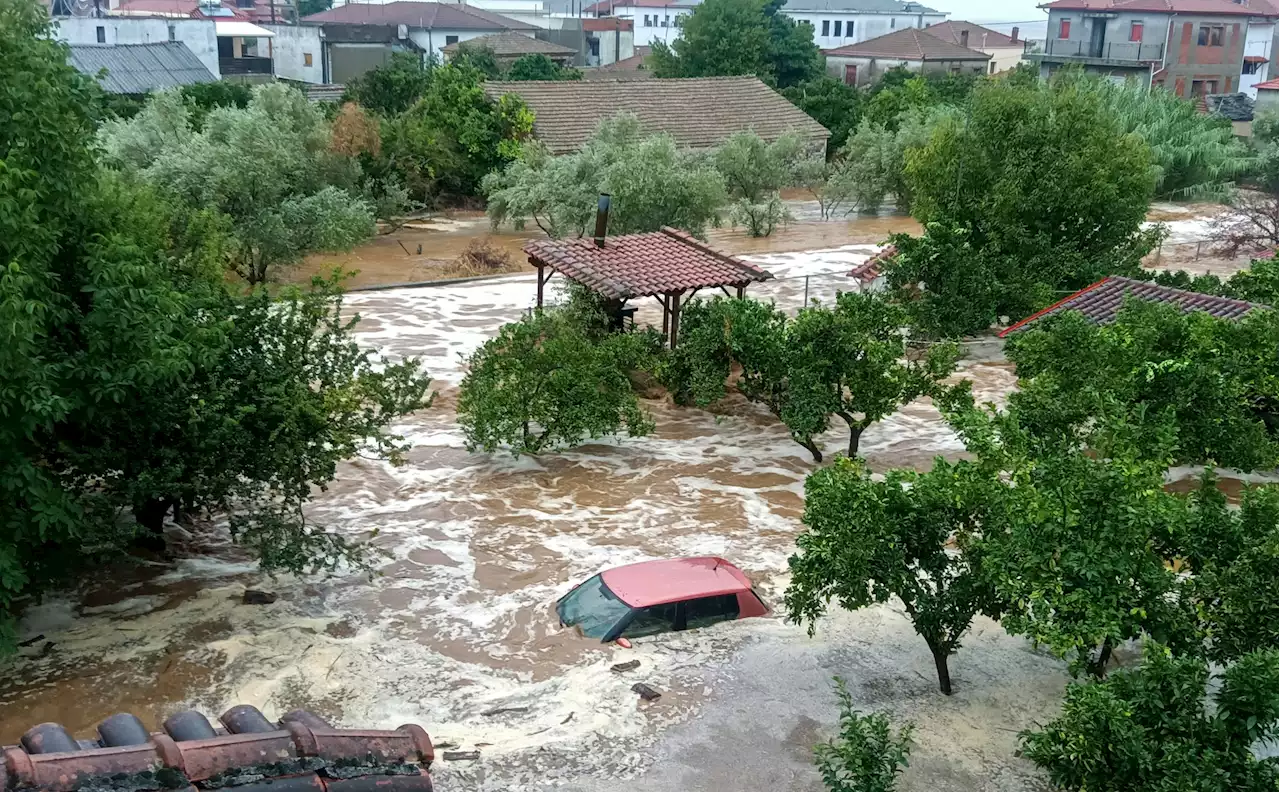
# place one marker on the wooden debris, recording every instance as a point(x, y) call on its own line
point(647, 693)
point(461, 756)
point(630, 665)
point(255, 597)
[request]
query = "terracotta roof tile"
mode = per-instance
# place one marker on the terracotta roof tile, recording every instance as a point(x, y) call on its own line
point(1269, 85)
point(300, 751)
point(638, 265)
point(908, 44)
point(978, 35)
point(1217, 7)
point(454, 16)
point(699, 113)
point(607, 23)
point(1101, 302)
point(871, 269)
point(511, 44)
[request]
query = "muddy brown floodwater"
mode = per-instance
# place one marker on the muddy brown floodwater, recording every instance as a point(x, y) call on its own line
point(458, 623)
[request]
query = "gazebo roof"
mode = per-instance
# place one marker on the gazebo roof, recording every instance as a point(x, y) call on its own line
point(638, 265)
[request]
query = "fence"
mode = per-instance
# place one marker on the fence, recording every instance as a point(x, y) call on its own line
point(1120, 51)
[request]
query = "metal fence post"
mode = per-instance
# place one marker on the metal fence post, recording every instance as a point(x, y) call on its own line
point(805, 304)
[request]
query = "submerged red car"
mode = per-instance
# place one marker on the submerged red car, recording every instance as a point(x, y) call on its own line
point(659, 596)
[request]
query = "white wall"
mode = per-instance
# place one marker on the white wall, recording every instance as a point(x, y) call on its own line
point(653, 24)
point(289, 48)
point(625, 43)
point(435, 40)
point(865, 26)
point(1002, 58)
point(1257, 41)
point(197, 34)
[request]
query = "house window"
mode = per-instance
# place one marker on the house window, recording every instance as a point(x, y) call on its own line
point(826, 27)
point(102, 35)
point(173, 32)
point(306, 59)
point(992, 70)
point(893, 23)
point(837, 29)
point(450, 40)
point(1203, 87)
point(1064, 29)
point(1250, 67)
point(1210, 36)
point(666, 20)
point(1135, 31)
point(848, 29)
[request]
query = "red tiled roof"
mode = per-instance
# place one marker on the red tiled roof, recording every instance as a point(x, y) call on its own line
point(300, 751)
point(978, 35)
point(870, 269)
point(1255, 58)
point(454, 16)
point(608, 6)
point(1212, 7)
point(510, 45)
point(1101, 302)
point(607, 23)
point(912, 44)
point(639, 265)
point(1269, 85)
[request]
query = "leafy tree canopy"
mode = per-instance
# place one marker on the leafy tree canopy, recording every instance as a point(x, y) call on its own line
point(754, 171)
point(652, 183)
point(723, 38)
point(540, 67)
point(832, 103)
point(391, 88)
point(866, 541)
point(1006, 192)
point(1147, 729)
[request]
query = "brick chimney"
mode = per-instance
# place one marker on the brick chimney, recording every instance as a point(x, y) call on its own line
point(964, 38)
point(1014, 34)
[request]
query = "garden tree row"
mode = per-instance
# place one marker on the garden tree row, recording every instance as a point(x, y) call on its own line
point(134, 381)
point(1070, 550)
point(850, 361)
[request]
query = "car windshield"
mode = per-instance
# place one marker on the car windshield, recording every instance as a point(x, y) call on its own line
point(593, 608)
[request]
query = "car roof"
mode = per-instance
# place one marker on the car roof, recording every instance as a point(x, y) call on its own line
point(674, 579)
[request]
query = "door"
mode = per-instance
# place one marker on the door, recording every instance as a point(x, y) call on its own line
point(1097, 34)
point(851, 74)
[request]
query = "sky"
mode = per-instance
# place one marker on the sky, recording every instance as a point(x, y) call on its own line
point(1031, 20)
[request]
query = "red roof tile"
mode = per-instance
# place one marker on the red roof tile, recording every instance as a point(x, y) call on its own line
point(300, 751)
point(1269, 85)
point(1101, 302)
point(639, 265)
point(609, 6)
point(454, 16)
point(978, 35)
point(870, 269)
point(607, 23)
point(912, 44)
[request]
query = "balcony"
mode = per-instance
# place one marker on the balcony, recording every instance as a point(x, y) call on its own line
point(245, 65)
point(1125, 53)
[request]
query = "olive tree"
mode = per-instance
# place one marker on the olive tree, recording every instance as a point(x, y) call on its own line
point(754, 171)
point(866, 541)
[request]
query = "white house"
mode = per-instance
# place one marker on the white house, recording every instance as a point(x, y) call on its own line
point(199, 35)
point(1259, 55)
point(652, 20)
point(840, 22)
point(429, 26)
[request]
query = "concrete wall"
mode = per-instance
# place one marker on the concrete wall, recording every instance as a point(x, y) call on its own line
point(1258, 41)
point(197, 34)
point(654, 24)
point(871, 70)
point(1002, 58)
point(291, 48)
point(435, 40)
point(1267, 102)
point(1116, 45)
point(614, 45)
point(865, 26)
point(348, 61)
point(1216, 68)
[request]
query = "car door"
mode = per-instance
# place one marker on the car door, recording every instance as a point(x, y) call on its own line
point(653, 620)
point(706, 611)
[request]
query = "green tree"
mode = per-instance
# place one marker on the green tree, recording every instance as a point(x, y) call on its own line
point(201, 98)
point(867, 755)
point(1015, 179)
point(393, 87)
point(723, 38)
point(308, 7)
point(479, 58)
point(1081, 565)
point(547, 381)
point(1210, 383)
point(652, 183)
point(268, 167)
point(830, 102)
point(866, 541)
point(1147, 729)
point(540, 67)
point(754, 171)
point(847, 361)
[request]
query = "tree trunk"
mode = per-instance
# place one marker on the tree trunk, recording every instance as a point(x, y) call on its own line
point(940, 663)
point(855, 434)
point(1098, 668)
point(150, 515)
point(813, 448)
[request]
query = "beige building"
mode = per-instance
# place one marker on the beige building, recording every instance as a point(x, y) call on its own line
point(913, 49)
point(1005, 50)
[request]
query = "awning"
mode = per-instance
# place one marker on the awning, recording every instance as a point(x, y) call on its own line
point(1254, 59)
point(240, 28)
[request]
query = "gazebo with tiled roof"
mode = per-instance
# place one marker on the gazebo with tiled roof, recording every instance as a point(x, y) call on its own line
point(669, 265)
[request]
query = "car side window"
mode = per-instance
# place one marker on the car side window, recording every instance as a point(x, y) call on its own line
point(706, 611)
point(651, 621)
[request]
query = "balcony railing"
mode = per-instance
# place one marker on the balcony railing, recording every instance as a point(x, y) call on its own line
point(246, 65)
point(1131, 51)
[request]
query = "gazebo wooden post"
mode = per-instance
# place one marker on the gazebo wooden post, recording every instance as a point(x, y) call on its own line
point(742, 291)
point(675, 317)
point(538, 264)
point(666, 315)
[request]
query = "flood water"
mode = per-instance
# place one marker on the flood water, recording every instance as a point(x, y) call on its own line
point(458, 623)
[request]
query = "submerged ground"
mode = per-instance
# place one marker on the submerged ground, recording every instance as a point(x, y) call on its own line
point(457, 632)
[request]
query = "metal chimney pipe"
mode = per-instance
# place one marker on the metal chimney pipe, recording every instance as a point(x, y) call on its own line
point(602, 219)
